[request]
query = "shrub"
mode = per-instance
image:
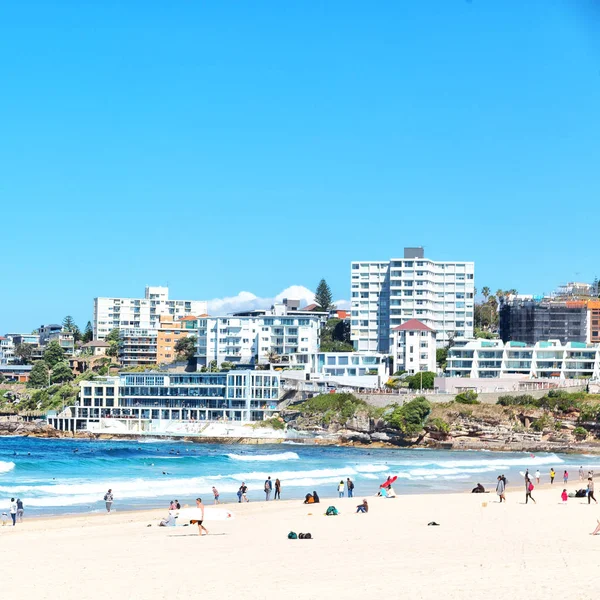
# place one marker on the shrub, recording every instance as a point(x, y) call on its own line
point(468, 397)
point(438, 424)
point(343, 406)
point(409, 418)
point(273, 423)
point(580, 433)
point(521, 400)
point(544, 422)
point(423, 380)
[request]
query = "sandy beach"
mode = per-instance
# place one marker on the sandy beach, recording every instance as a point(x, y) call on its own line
point(532, 551)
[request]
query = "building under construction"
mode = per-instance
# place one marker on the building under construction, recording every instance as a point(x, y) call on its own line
point(533, 321)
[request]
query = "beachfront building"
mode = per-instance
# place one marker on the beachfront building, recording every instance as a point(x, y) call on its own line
point(137, 346)
point(545, 359)
point(386, 294)
point(340, 364)
point(414, 347)
point(56, 333)
point(141, 313)
point(256, 339)
point(166, 402)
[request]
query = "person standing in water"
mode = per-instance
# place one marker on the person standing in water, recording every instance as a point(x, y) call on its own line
point(199, 521)
point(108, 498)
point(537, 477)
point(216, 494)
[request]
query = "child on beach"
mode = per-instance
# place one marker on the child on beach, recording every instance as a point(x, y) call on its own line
point(565, 476)
point(564, 496)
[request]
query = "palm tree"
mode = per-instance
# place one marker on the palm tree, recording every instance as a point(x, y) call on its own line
point(485, 291)
point(273, 357)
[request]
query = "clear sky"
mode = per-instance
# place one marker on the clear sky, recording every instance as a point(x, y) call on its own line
point(221, 147)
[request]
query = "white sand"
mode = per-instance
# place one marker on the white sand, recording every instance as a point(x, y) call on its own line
point(533, 551)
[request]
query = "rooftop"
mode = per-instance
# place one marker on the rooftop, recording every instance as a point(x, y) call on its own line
point(413, 325)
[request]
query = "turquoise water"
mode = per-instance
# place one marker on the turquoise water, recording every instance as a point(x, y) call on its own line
point(68, 476)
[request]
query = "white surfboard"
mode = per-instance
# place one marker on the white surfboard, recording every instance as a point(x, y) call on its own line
point(185, 515)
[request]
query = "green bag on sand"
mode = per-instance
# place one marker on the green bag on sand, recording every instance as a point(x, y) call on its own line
point(292, 535)
point(332, 510)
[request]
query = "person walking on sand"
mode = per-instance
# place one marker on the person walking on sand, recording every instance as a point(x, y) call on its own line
point(581, 473)
point(13, 511)
point(500, 489)
point(216, 494)
point(341, 489)
point(528, 490)
point(277, 490)
point(566, 477)
point(564, 496)
point(537, 477)
point(201, 527)
point(20, 510)
point(552, 475)
point(108, 498)
point(268, 488)
point(350, 486)
point(590, 488)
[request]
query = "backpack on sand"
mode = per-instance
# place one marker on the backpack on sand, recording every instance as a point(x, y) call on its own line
point(292, 535)
point(332, 510)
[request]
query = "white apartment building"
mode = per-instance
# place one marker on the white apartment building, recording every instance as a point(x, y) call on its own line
point(137, 346)
point(141, 313)
point(548, 359)
point(7, 350)
point(342, 364)
point(246, 339)
point(413, 347)
point(385, 294)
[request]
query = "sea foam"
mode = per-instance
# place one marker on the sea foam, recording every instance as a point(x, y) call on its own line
point(5, 467)
point(265, 457)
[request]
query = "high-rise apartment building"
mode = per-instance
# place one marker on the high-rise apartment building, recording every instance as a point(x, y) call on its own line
point(386, 294)
point(141, 313)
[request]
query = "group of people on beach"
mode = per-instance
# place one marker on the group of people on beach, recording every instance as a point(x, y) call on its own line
point(529, 486)
point(15, 510)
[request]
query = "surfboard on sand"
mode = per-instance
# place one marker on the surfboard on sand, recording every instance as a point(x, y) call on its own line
point(185, 515)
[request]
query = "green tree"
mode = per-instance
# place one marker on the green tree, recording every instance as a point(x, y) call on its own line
point(441, 358)
point(409, 418)
point(69, 323)
point(424, 380)
point(61, 372)
point(323, 296)
point(88, 333)
point(485, 292)
point(273, 357)
point(53, 353)
point(335, 336)
point(113, 349)
point(24, 353)
point(226, 366)
point(38, 377)
point(113, 336)
point(186, 347)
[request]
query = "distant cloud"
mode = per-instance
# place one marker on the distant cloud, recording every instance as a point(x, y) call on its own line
point(342, 304)
point(249, 301)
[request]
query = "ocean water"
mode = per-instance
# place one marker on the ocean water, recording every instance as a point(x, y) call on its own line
point(69, 476)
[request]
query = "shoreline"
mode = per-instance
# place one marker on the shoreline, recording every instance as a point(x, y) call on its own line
point(479, 544)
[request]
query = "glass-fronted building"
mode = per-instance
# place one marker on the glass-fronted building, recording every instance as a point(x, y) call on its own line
point(154, 399)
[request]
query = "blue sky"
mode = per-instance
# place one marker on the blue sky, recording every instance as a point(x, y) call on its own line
point(221, 148)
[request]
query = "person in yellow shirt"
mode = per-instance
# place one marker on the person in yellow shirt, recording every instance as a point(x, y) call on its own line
point(552, 475)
